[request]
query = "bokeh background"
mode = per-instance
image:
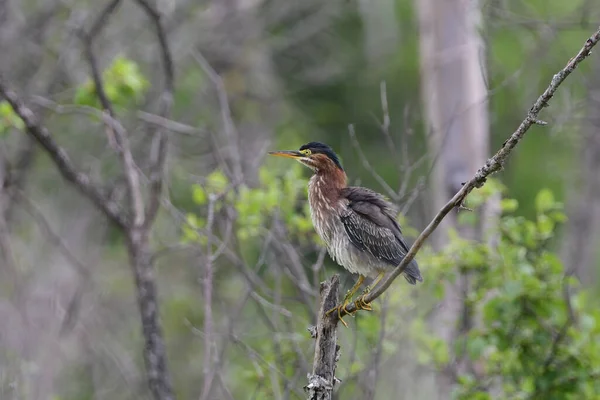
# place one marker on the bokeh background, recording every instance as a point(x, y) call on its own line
point(414, 95)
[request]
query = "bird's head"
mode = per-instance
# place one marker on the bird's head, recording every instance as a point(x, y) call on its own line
point(315, 155)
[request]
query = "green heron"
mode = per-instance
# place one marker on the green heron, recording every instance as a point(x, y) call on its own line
point(357, 224)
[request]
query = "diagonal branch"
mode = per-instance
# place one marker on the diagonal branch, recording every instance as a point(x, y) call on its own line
point(492, 166)
point(81, 181)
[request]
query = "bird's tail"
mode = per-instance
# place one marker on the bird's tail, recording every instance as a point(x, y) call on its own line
point(412, 273)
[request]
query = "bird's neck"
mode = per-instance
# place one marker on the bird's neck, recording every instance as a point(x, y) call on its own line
point(325, 185)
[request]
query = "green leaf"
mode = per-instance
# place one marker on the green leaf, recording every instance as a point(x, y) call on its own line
point(509, 205)
point(8, 118)
point(588, 322)
point(545, 226)
point(528, 385)
point(440, 352)
point(124, 83)
point(544, 201)
point(513, 289)
point(475, 347)
point(216, 181)
point(199, 195)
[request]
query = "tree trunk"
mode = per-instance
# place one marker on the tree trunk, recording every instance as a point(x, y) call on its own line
point(380, 30)
point(454, 96)
point(582, 231)
point(155, 357)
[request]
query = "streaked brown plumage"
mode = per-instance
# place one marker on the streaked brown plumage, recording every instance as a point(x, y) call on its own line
point(357, 224)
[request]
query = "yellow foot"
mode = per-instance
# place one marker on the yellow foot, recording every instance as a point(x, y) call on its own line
point(339, 310)
point(361, 304)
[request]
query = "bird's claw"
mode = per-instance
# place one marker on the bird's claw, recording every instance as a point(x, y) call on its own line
point(361, 304)
point(341, 308)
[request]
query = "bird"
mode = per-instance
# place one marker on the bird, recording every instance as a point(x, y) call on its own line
point(357, 224)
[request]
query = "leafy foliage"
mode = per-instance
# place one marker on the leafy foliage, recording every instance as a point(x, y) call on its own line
point(536, 338)
point(256, 206)
point(123, 81)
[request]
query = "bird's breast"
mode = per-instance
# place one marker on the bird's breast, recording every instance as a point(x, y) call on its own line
point(323, 210)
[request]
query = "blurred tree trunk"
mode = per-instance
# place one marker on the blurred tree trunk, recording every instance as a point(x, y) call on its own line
point(454, 96)
point(582, 231)
point(381, 30)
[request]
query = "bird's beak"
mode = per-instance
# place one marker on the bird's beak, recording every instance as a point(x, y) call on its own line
point(286, 153)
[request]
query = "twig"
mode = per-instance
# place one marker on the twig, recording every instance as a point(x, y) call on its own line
point(365, 162)
point(160, 142)
point(492, 165)
point(207, 286)
point(168, 124)
point(103, 18)
point(228, 125)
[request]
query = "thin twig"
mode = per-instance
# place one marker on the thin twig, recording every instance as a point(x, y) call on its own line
point(207, 286)
point(228, 125)
point(391, 192)
point(160, 142)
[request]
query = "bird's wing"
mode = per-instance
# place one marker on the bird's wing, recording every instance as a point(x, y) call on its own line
point(370, 224)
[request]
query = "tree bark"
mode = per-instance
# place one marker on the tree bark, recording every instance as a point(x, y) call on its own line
point(322, 380)
point(454, 96)
point(582, 231)
point(155, 357)
point(380, 30)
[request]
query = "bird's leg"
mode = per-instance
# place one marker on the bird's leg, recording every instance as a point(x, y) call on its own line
point(354, 289)
point(347, 299)
point(360, 303)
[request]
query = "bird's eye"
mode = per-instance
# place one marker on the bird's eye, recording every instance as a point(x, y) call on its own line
point(306, 152)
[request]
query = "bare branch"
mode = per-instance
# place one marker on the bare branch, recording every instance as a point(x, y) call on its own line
point(492, 166)
point(160, 141)
point(60, 157)
point(207, 286)
point(171, 125)
point(367, 165)
point(88, 40)
point(115, 132)
point(103, 18)
point(228, 125)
